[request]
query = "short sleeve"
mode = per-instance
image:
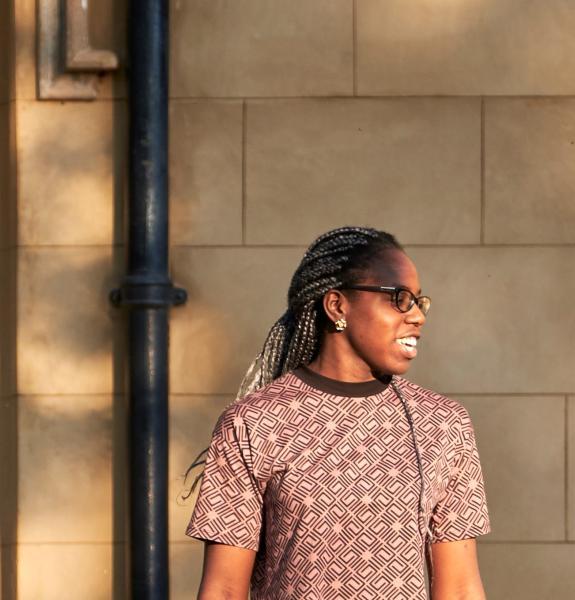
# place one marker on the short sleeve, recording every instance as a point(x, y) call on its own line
point(462, 512)
point(229, 505)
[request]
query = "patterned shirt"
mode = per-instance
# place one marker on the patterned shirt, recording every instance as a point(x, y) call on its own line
point(321, 479)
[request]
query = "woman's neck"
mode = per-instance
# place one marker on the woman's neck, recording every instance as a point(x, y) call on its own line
point(330, 365)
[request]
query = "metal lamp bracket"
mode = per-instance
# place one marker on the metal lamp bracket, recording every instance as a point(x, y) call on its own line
point(68, 66)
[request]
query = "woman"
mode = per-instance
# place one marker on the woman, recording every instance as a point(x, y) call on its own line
point(332, 476)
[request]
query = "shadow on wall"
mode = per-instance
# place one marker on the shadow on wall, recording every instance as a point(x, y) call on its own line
point(70, 342)
point(8, 411)
point(8, 406)
point(9, 497)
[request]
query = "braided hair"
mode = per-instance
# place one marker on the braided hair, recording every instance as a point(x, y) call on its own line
point(337, 258)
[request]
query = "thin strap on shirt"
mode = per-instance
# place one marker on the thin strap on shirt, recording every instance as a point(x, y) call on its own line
point(428, 534)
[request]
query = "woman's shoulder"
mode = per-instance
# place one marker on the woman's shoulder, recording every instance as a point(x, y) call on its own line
point(430, 400)
point(268, 400)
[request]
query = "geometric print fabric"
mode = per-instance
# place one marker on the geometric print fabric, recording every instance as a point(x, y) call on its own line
point(326, 488)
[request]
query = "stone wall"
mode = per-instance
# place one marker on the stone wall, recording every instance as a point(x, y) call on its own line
point(448, 123)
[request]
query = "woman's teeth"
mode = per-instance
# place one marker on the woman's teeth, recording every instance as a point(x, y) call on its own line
point(407, 341)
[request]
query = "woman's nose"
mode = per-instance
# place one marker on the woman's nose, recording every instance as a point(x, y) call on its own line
point(415, 315)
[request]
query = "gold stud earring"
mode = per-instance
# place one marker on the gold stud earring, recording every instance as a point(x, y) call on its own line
point(340, 324)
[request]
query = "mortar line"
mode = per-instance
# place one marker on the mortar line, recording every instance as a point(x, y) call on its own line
point(556, 395)
point(34, 100)
point(110, 395)
point(354, 49)
point(303, 245)
point(443, 246)
point(114, 246)
point(527, 542)
point(482, 175)
point(480, 541)
point(566, 491)
point(71, 543)
point(244, 146)
point(177, 542)
point(231, 394)
point(365, 97)
point(202, 394)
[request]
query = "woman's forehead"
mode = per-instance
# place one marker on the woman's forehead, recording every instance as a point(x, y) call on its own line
point(394, 267)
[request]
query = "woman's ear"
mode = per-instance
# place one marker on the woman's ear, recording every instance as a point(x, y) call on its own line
point(335, 305)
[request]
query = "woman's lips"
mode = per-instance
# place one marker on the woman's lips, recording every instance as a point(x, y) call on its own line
point(408, 346)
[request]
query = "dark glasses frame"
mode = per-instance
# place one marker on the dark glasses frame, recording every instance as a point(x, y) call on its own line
point(423, 302)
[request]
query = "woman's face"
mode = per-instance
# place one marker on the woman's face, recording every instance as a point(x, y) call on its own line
point(381, 336)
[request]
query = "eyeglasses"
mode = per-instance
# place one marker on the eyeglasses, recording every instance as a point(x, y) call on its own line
point(403, 298)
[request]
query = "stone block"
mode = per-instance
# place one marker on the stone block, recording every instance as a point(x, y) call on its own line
point(521, 445)
point(25, 49)
point(66, 172)
point(6, 53)
point(5, 199)
point(254, 48)
point(529, 179)
point(8, 323)
point(527, 571)
point(7, 178)
point(8, 473)
point(235, 296)
point(65, 572)
point(409, 166)
point(65, 469)
point(571, 468)
point(485, 47)
point(185, 569)
point(206, 172)
point(499, 320)
point(67, 330)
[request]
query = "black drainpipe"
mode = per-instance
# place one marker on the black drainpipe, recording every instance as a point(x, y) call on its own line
point(148, 292)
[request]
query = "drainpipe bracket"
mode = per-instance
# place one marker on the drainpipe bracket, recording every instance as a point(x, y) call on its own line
point(143, 292)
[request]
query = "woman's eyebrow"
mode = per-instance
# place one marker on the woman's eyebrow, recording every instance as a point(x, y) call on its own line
point(402, 285)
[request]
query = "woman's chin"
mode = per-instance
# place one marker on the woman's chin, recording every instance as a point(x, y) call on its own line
point(387, 371)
